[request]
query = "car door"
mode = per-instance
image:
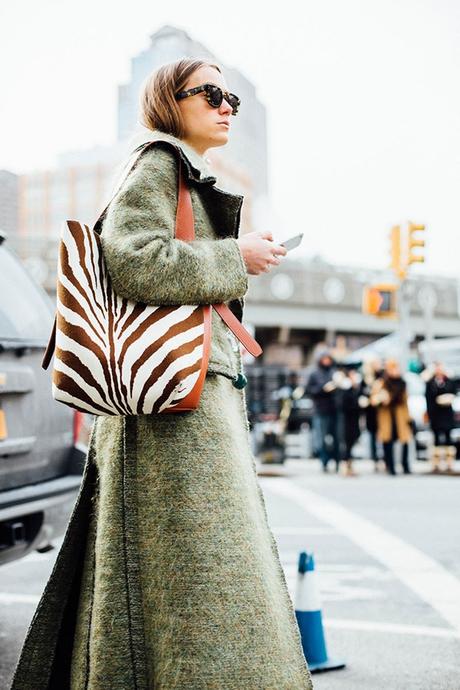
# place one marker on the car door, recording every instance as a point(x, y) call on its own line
point(35, 431)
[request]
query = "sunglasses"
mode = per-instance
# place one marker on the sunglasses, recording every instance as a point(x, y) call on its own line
point(214, 96)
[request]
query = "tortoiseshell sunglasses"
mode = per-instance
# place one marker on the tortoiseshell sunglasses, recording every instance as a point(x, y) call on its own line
point(214, 96)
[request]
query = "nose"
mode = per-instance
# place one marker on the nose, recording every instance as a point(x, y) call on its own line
point(225, 107)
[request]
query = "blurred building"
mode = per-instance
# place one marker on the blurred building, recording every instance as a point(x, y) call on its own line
point(77, 188)
point(83, 181)
point(299, 304)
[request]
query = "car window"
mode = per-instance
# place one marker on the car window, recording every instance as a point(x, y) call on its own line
point(25, 313)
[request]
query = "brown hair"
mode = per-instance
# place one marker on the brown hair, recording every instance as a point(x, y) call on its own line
point(158, 106)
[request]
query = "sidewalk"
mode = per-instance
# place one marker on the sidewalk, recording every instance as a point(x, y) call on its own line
point(311, 466)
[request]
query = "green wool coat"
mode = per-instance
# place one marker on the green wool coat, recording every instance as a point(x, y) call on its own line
point(169, 577)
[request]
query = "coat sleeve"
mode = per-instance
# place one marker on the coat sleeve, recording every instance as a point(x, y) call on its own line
point(314, 386)
point(146, 263)
point(376, 398)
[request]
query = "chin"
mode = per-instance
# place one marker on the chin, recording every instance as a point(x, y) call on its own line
point(219, 140)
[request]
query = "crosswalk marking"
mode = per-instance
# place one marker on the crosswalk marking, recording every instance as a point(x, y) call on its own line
point(396, 628)
point(304, 530)
point(18, 598)
point(418, 571)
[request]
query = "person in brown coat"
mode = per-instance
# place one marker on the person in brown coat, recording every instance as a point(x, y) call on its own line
point(389, 396)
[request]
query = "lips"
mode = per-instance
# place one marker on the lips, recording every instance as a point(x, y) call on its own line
point(224, 123)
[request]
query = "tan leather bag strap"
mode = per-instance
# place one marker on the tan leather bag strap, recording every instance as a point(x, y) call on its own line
point(237, 328)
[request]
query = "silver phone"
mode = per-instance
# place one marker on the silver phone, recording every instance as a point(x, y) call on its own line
point(292, 242)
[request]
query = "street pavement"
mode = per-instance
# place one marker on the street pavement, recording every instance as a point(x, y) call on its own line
point(388, 566)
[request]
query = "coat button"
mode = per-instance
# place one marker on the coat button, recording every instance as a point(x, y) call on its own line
point(240, 381)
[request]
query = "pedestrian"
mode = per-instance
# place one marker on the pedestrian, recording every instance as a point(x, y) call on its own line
point(389, 396)
point(169, 575)
point(352, 387)
point(372, 371)
point(321, 388)
point(440, 391)
point(292, 412)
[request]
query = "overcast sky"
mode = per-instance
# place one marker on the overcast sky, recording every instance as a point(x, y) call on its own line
point(362, 99)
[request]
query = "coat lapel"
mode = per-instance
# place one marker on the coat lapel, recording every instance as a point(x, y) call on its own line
point(224, 208)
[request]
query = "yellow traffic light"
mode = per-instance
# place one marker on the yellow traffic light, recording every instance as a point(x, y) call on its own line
point(380, 300)
point(395, 251)
point(414, 243)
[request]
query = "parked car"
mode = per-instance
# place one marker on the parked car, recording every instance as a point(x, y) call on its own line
point(41, 449)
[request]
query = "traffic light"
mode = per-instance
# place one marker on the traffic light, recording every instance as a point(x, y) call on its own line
point(395, 252)
point(414, 242)
point(380, 300)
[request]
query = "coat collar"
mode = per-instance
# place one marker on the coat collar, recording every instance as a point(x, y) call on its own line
point(224, 208)
point(197, 167)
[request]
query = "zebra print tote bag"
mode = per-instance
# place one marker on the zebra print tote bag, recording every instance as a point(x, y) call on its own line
point(113, 356)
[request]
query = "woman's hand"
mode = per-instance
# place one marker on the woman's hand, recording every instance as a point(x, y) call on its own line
point(329, 387)
point(384, 397)
point(259, 251)
point(379, 395)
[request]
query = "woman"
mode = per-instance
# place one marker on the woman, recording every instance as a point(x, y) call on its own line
point(322, 389)
point(169, 576)
point(389, 396)
point(372, 371)
point(352, 412)
point(440, 394)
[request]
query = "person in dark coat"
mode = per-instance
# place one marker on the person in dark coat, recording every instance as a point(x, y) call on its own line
point(322, 389)
point(293, 412)
point(352, 411)
point(372, 371)
point(169, 575)
point(440, 392)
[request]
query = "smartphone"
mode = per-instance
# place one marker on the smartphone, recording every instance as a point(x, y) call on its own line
point(292, 242)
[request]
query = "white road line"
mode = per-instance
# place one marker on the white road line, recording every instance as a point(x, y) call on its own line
point(422, 574)
point(338, 623)
point(304, 530)
point(16, 598)
point(371, 626)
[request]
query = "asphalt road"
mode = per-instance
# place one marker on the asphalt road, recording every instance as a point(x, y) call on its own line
point(388, 567)
point(387, 552)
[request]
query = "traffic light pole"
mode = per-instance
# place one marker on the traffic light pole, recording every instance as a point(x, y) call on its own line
point(380, 299)
point(404, 324)
point(402, 256)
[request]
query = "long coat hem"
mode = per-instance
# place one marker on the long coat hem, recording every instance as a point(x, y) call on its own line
point(43, 662)
point(46, 655)
point(257, 606)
